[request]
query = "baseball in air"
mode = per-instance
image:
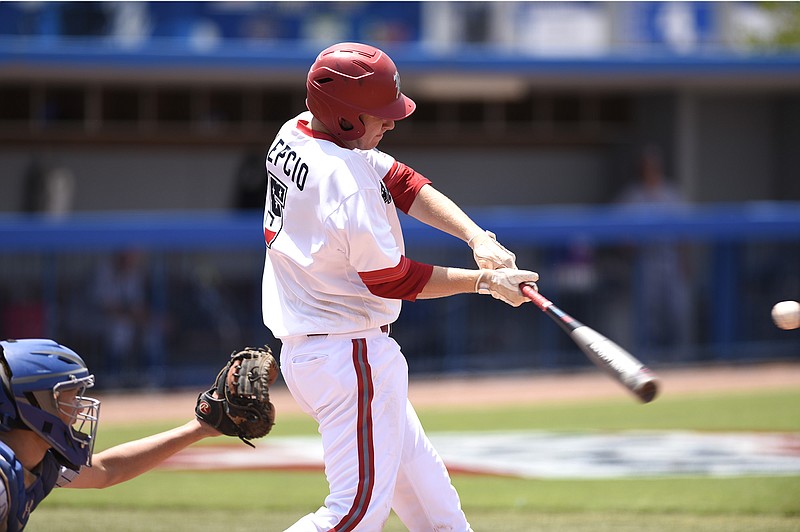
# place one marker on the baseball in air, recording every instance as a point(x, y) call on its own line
point(786, 314)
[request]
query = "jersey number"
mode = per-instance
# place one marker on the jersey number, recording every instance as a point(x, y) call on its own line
point(273, 213)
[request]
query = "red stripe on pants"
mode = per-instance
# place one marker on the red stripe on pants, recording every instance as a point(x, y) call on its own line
point(364, 435)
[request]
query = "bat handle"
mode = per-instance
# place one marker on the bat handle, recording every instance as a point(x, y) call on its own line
point(529, 290)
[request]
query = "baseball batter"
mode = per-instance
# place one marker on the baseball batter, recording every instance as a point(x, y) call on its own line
point(335, 274)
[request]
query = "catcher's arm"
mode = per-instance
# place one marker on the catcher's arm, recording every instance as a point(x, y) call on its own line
point(129, 460)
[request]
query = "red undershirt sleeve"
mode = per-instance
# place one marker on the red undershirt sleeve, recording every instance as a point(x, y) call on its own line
point(404, 281)
point(404, 183)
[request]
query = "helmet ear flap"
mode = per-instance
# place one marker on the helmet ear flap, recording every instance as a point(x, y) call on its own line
point(9, 418)
point(351, 130)
point(332, 117)
point(8, 414)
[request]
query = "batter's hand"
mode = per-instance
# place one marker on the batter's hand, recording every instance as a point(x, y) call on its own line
point(489, 253)
point(504, 284)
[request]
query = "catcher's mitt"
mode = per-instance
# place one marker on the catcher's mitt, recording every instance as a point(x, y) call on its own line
point(238, 404)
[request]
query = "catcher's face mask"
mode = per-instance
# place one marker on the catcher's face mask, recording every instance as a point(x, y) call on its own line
point(79, 412)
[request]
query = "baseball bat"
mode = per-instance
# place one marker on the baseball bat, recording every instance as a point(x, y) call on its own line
point(607, 355)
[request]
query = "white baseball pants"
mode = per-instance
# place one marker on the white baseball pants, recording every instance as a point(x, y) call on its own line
point(377, 456)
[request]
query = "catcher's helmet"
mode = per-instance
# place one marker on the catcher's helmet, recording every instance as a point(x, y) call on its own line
point(42, 391)
point(349, 79)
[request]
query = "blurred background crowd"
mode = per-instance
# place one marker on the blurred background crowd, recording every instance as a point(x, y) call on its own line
point(641, 156)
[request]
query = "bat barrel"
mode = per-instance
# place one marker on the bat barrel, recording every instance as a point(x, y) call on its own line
point(620, 364)
point(647, 391)
point(642, 383)
point(607, 355)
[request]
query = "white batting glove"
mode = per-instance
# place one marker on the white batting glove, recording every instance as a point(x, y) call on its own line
point(489, 253)
point(503, 284)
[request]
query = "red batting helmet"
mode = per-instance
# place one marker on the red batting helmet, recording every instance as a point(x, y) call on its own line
point(349, 79)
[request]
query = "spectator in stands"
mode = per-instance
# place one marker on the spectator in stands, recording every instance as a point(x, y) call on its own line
point(120, 295)
point(49, 189)
point(251, 182)
point(662, 268)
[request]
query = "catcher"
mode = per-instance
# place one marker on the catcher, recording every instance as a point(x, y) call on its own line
point(238, 402)
point(48, 426)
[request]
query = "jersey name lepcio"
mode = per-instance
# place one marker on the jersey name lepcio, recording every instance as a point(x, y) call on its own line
point(294, 168)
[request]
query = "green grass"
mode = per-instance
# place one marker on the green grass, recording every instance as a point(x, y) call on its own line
point(268, 500)
point(765, 411)
point(270, 520)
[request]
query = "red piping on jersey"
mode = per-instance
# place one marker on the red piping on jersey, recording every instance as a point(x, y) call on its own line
point(305, 128)
point(404, 183)
point(365, 439)
point(404, 281)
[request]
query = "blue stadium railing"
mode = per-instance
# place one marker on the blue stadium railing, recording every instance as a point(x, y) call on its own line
point(746, 257)
point(778, 221)
point(294, 57)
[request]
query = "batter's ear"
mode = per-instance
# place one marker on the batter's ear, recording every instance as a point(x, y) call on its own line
point(345, 125)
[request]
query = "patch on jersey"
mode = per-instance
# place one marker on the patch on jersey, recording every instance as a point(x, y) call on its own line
point(273, 213)
point(387, 197)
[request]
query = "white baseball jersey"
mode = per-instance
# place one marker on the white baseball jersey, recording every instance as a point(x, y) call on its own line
point(328, 218)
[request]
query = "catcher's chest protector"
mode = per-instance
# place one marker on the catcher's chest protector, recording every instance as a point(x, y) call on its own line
point(22, 501)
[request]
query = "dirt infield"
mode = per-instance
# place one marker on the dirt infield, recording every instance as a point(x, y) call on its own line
point(517, 388)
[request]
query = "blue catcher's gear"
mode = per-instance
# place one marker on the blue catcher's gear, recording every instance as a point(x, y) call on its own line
point(43, 385)
point(23, 499)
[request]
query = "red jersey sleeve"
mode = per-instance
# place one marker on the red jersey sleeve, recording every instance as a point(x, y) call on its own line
point(404, 281)
point(404, 183)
